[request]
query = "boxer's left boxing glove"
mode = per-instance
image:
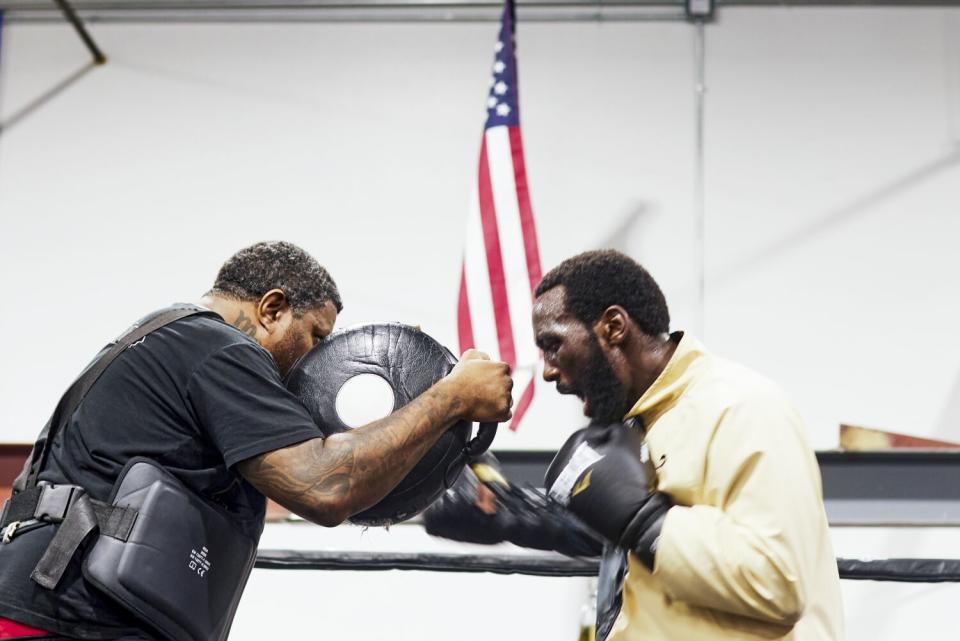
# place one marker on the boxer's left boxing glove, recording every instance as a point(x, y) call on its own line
point(600, 476)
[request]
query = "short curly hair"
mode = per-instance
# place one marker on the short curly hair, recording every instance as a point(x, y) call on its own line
point(595, 280)
point(255, 270)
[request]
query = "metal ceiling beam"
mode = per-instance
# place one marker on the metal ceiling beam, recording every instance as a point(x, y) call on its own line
point(71, 16)
point(396, 10)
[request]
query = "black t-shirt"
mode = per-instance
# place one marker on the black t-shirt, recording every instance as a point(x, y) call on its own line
point(197, 396)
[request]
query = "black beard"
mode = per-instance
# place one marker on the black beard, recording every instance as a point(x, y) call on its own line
point(608, 399)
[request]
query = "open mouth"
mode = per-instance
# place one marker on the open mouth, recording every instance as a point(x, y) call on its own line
point(563, 389)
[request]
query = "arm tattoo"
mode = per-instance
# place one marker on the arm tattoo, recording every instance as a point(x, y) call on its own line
point(245, 325)
point(317, 469)
point(328, 479)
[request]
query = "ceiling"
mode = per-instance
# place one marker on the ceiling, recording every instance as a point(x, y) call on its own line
point(391, 10)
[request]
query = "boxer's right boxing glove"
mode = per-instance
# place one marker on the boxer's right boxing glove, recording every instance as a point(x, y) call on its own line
point(599, 475)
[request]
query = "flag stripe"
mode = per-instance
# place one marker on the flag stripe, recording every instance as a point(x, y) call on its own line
point(522, 405)
point(530, 244)
point(502, 178)
point(479, 298)
point(464, 325)
point(501, 264)
point(491, 239)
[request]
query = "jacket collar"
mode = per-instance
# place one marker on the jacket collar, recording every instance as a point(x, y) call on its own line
point(672, 382)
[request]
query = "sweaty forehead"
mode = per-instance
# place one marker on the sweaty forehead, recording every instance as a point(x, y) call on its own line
point(550, 313)
point(551, 304)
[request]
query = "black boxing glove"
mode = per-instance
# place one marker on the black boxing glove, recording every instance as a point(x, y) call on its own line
point(599, 475)
point(523, 516)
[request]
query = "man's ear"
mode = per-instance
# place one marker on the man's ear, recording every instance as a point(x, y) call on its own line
point(612, 327)
point(271, 308)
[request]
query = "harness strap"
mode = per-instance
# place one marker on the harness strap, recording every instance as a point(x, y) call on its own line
point(75, 394)
point(45, 502)
point(35, 504)
point(22, 506)
point(35, 507)
point(83, 517)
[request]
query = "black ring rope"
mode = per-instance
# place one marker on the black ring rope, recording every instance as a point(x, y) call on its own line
point(556, 565)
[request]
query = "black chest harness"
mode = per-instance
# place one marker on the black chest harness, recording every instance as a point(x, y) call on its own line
point(174, 560)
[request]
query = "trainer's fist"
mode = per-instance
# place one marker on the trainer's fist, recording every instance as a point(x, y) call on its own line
point(599, 475)
point(483, 387)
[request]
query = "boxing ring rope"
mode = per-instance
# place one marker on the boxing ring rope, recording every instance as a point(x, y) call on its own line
point(557, 565)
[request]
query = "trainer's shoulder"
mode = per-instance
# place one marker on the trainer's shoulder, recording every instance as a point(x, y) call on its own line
point(202, 335)
point(211, 326)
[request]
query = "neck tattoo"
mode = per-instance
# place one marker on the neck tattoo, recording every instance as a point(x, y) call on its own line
point(245, 325)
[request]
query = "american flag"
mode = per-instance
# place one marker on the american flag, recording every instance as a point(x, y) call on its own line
point(501, 263)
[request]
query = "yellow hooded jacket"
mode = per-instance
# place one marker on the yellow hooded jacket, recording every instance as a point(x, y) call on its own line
point(745, 553)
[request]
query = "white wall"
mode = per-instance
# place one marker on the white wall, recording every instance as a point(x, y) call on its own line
point(832, 186)
point(834, 211)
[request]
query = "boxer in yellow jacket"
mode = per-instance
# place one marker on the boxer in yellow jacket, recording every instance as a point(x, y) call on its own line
point(695, 468)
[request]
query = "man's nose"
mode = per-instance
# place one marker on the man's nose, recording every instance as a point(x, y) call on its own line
point(550, 372)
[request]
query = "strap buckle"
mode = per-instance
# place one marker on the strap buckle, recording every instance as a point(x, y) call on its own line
point(55, 502)
point(10, 531)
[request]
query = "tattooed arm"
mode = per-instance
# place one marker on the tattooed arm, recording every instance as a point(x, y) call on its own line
point(326, 480)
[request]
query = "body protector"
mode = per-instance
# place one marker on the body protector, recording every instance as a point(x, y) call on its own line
point(175, 561)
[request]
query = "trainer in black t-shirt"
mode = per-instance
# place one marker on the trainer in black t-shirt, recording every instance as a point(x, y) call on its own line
point(197, 396)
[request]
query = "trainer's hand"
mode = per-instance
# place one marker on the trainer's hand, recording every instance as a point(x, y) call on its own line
point(483, 387)
point(474, 355)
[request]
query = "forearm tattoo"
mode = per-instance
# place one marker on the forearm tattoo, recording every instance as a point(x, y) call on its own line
point(328, 479)
point(314, 469)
